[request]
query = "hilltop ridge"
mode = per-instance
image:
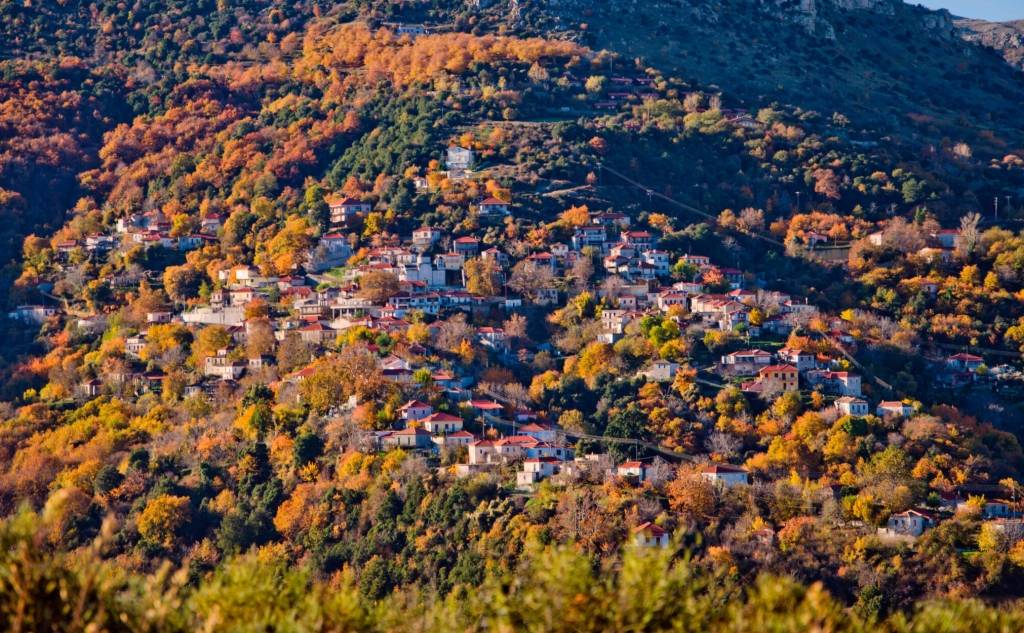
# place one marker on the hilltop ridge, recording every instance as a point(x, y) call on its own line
point(1005, 37)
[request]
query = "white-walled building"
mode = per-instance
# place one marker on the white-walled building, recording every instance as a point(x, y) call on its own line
point(725, 475)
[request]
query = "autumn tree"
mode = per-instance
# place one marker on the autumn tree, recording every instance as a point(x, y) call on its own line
point(826, 183)
point(453, 332)
point(208, 342)
point(293, 352)
point(163, 518)
point(182, 282)
point(528, 278)
point(575, 216)
point(691, 496)
point(967, 240)
point(353, 371)
point(284, 252)
point(581, 519)
point(166, 342)
point(378, 286)
point(594, 360)
point(483, 276)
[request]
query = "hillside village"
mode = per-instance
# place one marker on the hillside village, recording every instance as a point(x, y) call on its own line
point(503, 313)
point(439, 315)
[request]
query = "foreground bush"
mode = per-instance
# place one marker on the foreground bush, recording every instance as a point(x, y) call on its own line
point(555, 589)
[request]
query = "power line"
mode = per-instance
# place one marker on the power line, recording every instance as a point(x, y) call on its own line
point(682, 205)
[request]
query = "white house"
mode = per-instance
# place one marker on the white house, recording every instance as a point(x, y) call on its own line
point(159, 316)
point(133, 345)
point(459, 158)
point(909, 523)
point(344, 210)
point(223, 367)
point(412, 30)
point(843, 383)
point(539, 431)
point(725, 475)
point(408, 438)
point(437, 423)
point(965, 362)
point(536, 469)
point(426, 236)
point(452, 440)
point(848, 405)
point(492, 207)
point(993, 509)
point(32, 313)
point(336, 245)
point(662, 371)
point(493, 337)
point(800, 359)
point(947, 238)
point(650, 535)
point(632, 469)
point(894, 408)
point(415, 410)
point(747, 360)
point(211, 223)
point(234, 315)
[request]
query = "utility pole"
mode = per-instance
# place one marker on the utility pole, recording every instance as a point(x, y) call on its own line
point(997, 208)
point(799, 208)
point(1008, 208)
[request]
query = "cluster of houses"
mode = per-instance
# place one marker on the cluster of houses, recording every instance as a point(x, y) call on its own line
point(786, 370)
point(430, 268)
point(151, 228)
point(991, 502)
point(622, 90)
point(940, 246)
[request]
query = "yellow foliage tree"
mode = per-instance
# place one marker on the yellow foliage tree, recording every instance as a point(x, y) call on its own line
point(595, 359)
point(162, 518)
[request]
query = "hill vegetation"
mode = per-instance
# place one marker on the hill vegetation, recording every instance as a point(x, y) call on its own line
point(476, 316)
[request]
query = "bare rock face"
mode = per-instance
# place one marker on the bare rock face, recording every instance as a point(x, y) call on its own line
point(940, 23)
point(812, 15)
point(878, 6)
point(1005, 37)
point(803, 13)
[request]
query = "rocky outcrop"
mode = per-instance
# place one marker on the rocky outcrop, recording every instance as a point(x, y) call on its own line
point(885, 7)
point(1005, 37)
point(813, 15)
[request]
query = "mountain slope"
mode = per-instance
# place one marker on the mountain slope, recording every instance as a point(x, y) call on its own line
point(1005, 37)
point(881, 62)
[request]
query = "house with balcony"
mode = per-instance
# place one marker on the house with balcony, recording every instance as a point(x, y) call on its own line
point(774, 380)
point(346, 210)
point(492, 207)
point(223, 366)
point(745, 361)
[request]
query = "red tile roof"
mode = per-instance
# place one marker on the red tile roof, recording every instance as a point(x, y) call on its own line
point(715, 469)
point(649, 527)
